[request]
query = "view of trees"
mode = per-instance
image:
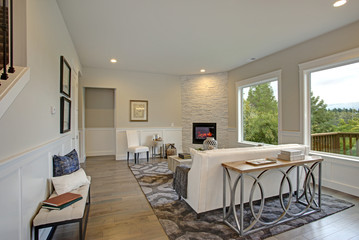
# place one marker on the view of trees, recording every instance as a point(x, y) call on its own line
point(332, 120)
point(260, 116)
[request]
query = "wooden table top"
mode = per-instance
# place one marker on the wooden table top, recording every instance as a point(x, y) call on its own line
point(243, 167)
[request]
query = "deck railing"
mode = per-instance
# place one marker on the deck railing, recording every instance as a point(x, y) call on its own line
point(336, 142)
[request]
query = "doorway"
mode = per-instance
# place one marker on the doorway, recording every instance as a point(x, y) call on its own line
point(99, 121)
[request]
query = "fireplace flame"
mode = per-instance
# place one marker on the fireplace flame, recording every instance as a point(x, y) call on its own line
point(203, 135)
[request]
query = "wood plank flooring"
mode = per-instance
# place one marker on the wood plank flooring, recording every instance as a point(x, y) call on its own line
point(119, 210)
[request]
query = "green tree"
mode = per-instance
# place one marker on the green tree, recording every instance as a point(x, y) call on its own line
point(322, 120)
point(261, 115)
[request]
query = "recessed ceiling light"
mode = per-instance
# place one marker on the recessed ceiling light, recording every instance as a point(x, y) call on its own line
point(203, 70)
point(339, 3)
point(251, 59)
point(113, 60)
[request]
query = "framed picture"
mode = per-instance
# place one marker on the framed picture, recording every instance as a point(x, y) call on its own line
point(138, 111)
point(65, 77)
point(65, 115)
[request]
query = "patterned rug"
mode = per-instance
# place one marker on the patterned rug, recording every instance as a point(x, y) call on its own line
point(180, 221)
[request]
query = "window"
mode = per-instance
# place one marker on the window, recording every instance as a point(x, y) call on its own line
point(258, 109)
point(331, 104)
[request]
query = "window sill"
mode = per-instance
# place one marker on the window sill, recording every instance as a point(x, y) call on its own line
point(335, 156)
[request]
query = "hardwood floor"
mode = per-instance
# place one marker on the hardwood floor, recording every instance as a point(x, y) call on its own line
point(119, 210)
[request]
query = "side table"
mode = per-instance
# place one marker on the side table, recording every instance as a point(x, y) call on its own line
point(174, 161)
point(157, 144)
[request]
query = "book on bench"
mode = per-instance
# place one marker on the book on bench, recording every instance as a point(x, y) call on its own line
point(62, 199)
point(61, 206)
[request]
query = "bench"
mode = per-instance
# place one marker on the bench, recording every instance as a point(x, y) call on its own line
point(77, 212)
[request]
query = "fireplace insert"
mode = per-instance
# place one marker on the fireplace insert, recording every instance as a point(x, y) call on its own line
point(203, 130)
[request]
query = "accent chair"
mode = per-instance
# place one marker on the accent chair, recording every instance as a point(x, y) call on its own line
point(133, 146)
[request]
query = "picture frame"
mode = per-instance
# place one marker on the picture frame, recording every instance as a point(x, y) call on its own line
point(65, 77)
point(65, 115)
point(138, 110)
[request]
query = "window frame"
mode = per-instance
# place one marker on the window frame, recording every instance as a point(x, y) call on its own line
point(263, 78)
point(305, 70)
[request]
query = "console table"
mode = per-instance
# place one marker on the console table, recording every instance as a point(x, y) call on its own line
point(307, 197)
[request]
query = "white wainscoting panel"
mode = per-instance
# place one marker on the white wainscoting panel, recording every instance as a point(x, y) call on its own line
point(341, 174)
point(169, 135)
point(10, 205)
point(100, 141)
point(24, 183)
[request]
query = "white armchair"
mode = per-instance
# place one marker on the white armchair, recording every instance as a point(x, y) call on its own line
point(133, 146)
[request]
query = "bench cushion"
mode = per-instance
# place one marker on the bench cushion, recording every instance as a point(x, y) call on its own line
point(69, 182)
point(74, 211)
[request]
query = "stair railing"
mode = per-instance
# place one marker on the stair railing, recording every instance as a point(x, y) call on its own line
point(7, 43)
point(11, 16)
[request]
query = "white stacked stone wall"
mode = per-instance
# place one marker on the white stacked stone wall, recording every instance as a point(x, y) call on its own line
point(205, 100)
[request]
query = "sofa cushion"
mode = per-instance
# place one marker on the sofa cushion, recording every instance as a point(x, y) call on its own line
point(67, 164)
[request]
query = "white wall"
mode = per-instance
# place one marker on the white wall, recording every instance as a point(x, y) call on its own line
point(339, 40)
point(100, 141)
point(28, 122)
point(163, 93)
point(30, 134)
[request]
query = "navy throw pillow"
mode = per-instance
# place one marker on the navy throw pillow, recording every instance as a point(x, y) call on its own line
point(67, 164)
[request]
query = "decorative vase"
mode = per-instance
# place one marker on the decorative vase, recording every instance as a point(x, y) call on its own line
point(210, 143)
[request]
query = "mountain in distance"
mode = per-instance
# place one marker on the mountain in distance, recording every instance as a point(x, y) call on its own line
point(353, 105)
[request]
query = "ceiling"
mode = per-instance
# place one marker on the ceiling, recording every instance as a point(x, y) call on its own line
point(181, 37)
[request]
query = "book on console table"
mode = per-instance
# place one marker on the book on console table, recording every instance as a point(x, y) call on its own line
point(291, 152)
point(62, 199)
point(290, 157)
point(262, 161)
point(61, 206)
point(184, 155)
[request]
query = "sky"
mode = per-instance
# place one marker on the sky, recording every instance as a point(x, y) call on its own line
point(337, 85)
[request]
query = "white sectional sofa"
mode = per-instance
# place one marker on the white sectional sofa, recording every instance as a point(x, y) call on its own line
point(205, 179)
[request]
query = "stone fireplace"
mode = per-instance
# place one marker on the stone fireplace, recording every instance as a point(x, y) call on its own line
point(204, 100)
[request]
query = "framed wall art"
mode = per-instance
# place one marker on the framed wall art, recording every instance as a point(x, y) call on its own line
point(138, 111)
point(65, 115)
point(65, 77)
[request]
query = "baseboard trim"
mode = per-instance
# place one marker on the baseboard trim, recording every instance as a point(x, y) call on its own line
point(99, 153)
point(353, 190)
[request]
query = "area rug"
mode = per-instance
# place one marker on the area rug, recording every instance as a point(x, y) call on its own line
point(180, 221)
